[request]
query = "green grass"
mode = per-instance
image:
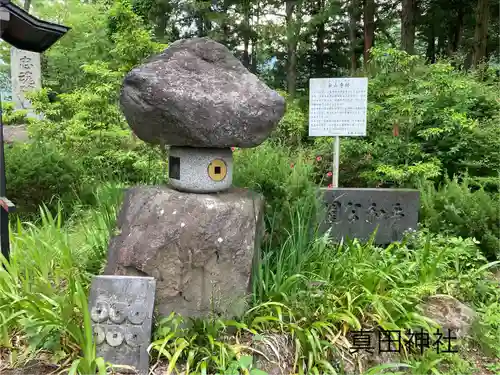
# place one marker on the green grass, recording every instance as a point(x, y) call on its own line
point(456, 209)
point(316, 294)
point(306, 290)
point(43, 302)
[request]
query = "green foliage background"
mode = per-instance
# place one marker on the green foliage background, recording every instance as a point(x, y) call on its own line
point(306, 288)
point(446, 119)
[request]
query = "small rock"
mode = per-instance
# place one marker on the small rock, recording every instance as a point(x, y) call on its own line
point(449, 313)
point(197, 94)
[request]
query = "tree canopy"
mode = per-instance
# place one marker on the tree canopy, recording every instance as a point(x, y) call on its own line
point(285, 41)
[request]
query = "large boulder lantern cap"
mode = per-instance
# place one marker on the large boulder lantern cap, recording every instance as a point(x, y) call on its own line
point(23, 31)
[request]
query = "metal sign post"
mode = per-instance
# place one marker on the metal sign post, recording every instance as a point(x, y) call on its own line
point(336, 162)
point(337, 107)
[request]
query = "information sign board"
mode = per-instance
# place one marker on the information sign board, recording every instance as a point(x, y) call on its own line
point(337, 107)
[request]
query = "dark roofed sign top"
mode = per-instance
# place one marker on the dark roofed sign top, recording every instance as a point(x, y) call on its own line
point(26, 32)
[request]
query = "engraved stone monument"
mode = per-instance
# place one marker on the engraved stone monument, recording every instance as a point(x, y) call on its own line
point(356, 213)
point(25, 76)
point(199, 237)
point(121, 310)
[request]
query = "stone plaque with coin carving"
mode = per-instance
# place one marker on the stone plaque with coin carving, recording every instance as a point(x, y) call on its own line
point(121, 309)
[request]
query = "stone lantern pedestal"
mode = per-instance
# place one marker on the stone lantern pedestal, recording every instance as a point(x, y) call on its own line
point(200, 248)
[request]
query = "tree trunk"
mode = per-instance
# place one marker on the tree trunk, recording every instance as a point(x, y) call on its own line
point(246, 55)
point(255, 38)
point(408, 17)
point(253, 56)
point(161, 15)
point(207, 26)
point(200, 26)
point(353, 12)
point(160, 28)
point(441, 44)
point(246, 33)
point(207, 23)
point(27, 5)
point(369, 28)
point(292, 40)
point(320, 40)
point(455, 32)
point(431, 46)
point(458, 31)
point(203, 23)
point(226, 30)
point(481, 33)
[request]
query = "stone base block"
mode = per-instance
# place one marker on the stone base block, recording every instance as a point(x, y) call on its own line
point(200, 248)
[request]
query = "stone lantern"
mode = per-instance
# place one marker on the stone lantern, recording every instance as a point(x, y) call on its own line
point(198, 236)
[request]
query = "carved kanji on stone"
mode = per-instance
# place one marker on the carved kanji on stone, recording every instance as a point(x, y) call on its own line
point(26, 63)
point(357, 213)
point(26, 80)
point(26, 77)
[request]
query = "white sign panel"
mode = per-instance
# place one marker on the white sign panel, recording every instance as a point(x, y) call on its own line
point(337, 107)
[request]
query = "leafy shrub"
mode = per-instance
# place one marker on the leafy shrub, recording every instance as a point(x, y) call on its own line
point(284, 178)
point(46, 172)
point(360, 166)
point(43, 286)
point(109, 153)
point(424, 122)
point(484, 155)
point(11, 116)
point(455, 209)
point(38, 173)
point(86, 124)
point(487, 328)
point(292, 130)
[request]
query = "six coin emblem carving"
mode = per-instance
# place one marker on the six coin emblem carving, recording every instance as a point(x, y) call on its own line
point(118, 313)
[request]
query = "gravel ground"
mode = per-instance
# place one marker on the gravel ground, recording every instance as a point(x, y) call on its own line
point(15, 133)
